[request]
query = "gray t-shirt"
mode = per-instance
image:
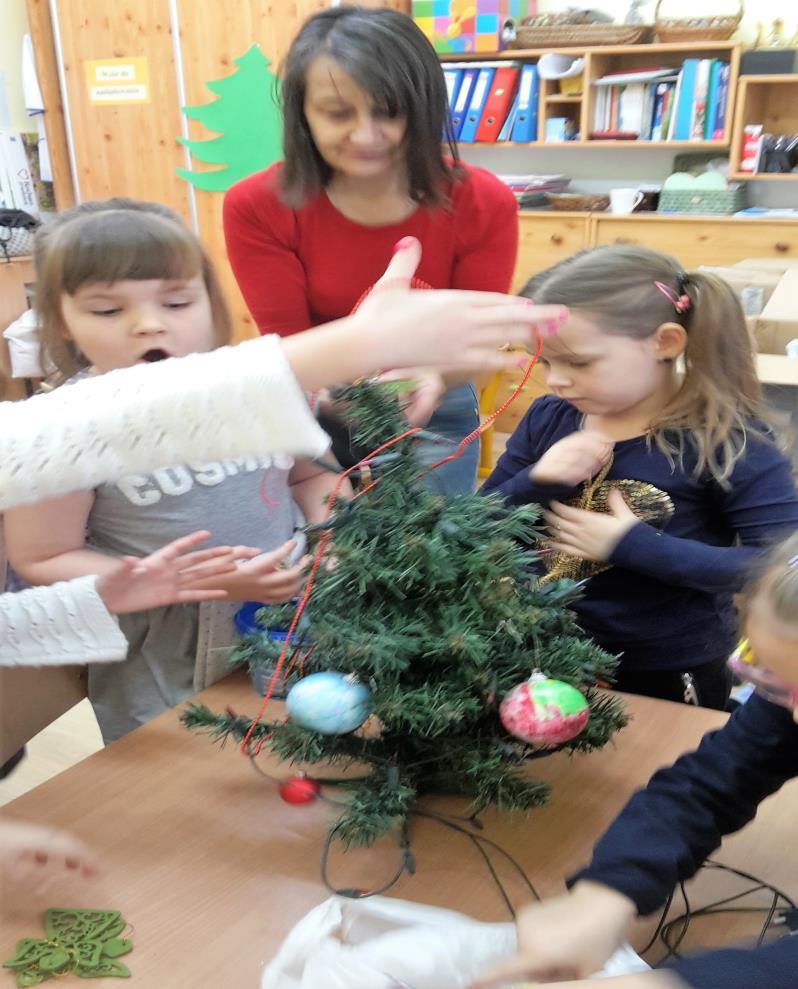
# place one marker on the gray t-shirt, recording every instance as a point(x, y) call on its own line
point(241, 502)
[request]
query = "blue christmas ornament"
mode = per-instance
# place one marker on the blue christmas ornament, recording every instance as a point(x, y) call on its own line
point(329, 703)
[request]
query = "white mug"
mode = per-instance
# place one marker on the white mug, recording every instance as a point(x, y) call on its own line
point(625, 200)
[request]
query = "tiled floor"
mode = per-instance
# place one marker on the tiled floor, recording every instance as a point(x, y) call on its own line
point(66, 741)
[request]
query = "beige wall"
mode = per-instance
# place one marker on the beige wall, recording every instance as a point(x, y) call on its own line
point(13, 24)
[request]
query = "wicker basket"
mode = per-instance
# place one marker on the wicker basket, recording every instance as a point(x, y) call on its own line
point(711, 202)
point(573, 30)
point(711, 28)
point(577, 202)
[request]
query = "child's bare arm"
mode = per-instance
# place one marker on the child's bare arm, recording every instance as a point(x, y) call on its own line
point(46, 541)
point(312, 485)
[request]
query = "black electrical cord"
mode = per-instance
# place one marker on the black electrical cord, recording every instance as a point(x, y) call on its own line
point(673, 932)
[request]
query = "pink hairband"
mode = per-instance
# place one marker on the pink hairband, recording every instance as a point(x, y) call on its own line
point(681, 303)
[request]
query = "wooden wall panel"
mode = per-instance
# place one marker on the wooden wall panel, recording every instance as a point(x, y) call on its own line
point(128, 149)
point(212, 35)
point(132, 149)
point(41, 32)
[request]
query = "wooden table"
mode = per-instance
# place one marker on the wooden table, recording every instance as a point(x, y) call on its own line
point(212, 868)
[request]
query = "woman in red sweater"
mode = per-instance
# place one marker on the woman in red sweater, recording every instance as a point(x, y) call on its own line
point(365, 107)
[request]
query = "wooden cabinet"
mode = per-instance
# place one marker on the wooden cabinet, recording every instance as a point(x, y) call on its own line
point(701, 240)
point(769, 100)
point(548, 237)
point(695, 240)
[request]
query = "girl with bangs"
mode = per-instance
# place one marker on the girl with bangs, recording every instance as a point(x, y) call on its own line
point(652, 458)
point(122, 283)
point(365, 113)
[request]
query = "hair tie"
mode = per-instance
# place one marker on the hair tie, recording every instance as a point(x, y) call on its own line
point(679, 300)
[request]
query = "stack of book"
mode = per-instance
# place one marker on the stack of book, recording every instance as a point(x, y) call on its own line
point(523, 186)
point(493, 101)
point(664, 104)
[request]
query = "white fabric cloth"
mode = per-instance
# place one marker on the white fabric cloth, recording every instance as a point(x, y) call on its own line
point(366, 944)
point(232, 402)
point(24, 349)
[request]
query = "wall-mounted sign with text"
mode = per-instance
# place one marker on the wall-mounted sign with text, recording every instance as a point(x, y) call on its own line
point(113, 81)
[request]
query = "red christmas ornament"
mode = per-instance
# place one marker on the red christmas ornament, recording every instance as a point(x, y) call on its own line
point(299, 790)
point(542, 711)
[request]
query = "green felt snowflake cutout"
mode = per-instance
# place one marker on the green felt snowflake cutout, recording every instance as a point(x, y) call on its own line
point(84, 943)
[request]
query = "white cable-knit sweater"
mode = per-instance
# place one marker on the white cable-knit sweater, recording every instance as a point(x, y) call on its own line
point(233, 402)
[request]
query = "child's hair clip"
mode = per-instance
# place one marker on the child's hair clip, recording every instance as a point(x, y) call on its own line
point(680, 301)
point(792, 563)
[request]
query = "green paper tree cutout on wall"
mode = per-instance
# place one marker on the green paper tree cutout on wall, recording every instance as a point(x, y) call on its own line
point(248, 118)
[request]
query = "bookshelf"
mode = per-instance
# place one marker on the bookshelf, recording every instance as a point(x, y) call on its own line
point(771, 101)
point(605, 60)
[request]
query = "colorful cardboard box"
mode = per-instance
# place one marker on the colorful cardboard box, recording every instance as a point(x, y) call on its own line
point(463, 26)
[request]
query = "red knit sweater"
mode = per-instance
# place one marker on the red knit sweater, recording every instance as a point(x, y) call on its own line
point(300, 268)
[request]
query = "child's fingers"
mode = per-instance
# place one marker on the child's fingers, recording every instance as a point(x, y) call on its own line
point(245, 552)
point(47, 849)
point(205, 557)
point(292, 577)
point(203, 571)
point(272, 559)
point(191, 596)
point(182, 545)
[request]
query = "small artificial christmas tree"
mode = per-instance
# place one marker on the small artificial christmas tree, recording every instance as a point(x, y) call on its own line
point(248, 117)
point(431, 614)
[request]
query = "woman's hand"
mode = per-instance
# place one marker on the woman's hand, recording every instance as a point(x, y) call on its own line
point(174, 574)
point(589, 535)
point(567, 937)
point(451, 328)
point(425, 388)
point(574, 459)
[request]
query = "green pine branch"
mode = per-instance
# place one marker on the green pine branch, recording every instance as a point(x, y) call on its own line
point(437, 605)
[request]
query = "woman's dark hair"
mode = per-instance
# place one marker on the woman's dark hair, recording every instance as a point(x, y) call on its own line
point(390, 59)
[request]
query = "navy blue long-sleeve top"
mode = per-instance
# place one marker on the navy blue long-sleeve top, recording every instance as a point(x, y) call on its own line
point(668, 829)
point(666, 601)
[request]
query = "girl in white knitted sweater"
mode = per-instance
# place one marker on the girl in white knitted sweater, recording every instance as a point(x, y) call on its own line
point(121, 283)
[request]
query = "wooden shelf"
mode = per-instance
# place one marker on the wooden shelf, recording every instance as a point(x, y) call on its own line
point(675, 145)
point(680, 145)
point(601, 60)
point(764, 176)
point(521, 54)
point(771, 101)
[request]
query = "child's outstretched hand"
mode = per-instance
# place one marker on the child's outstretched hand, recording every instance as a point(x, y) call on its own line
point(264, 578)
point(31, 856)
point(174, 574)
point(451, 328)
